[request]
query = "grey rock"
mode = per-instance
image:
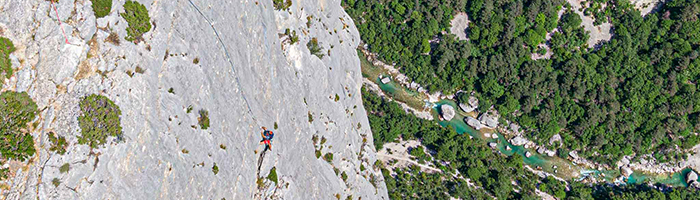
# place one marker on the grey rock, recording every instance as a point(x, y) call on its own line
point(489, 120)
point(518, 140)
point(540, 150)
point(573, 155)
point(528, 154)
point(550, 153)
point(492, 144)
point(474, 123)
point(494, 136)
point(692, 177)
point(386, 80)
point(466, 108)
point(508, 148)
point(448, 112)
point(555, 138)
point(257, 80)
point(626, 171)
point(514, 127)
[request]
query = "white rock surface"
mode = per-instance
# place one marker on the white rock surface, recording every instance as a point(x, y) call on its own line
point(474, 123)
point(386, 80)
point(459, 24)
point(692, 177)
point(490, 121)
point(626, 171)
point(281, 84)
point(528, 154)
point(448, 112)
point(518, 140)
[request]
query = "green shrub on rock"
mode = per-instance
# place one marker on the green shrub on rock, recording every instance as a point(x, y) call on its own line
point(203, 119)
point(136, 15)
point(6, 47)
point(282, 4)
point(101, 7)
point(99, 119)
point(16, 110)
point(58, 143)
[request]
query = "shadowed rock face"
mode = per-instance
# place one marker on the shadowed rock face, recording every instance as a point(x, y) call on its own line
point(246, 75)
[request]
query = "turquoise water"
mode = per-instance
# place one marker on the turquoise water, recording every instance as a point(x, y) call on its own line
point(676, 179)
point(461, 127)
point(387, 88)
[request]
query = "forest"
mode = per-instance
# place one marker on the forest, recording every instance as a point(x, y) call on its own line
point(485, 168)
point(634, 94)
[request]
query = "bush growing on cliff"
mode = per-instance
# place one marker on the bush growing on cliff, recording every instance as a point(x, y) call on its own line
point(99, 119)
point(203, 119)
point(273, 175)
point(101, 7)
point(282, 4)
point(139, 22)
point(58, 143)
point(314, 48)
point(16, 110)
point(6, 47)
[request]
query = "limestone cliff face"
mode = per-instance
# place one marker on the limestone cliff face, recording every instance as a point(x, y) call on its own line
point(246, 74)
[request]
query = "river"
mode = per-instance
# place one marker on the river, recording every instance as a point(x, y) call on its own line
point(556, 165)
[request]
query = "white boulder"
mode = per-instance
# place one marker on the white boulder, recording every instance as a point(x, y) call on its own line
point(474, 123)
point(386, 80)
point(448, 112)
point(692, 177)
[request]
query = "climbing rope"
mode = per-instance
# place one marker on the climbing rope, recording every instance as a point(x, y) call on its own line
point(228, 57)
point(59, 22)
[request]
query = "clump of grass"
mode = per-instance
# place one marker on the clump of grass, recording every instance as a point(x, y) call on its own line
point(98, 120)
point(315, 48)
point(260, 183)
point(64, 168)
point(323, 140)
point(189, 108)
point(139, 70)
point(315, 139)
point(101, 7)
point(215, 169)
point(282, 4)
point(17, 109)
point(203, 119)
point(58, 143)
point(195, 61)
point(311, 117)
point(185, 151)
point(171, 91)
point(275, 125)
point(318, 154)
point(222, 146)
point(293, 37)
point(337, 98)
point(56, 182)
point(6, 48)
point(113, 37)
point(136, 15)
point(273, 175)
point(328, 157)
point(344, 176)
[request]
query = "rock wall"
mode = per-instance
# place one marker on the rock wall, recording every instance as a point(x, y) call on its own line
point(227, 57)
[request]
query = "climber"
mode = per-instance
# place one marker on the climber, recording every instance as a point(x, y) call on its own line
point(267, 137)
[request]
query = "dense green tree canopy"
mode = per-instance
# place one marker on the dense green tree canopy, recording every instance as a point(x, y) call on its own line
point(636, 93)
